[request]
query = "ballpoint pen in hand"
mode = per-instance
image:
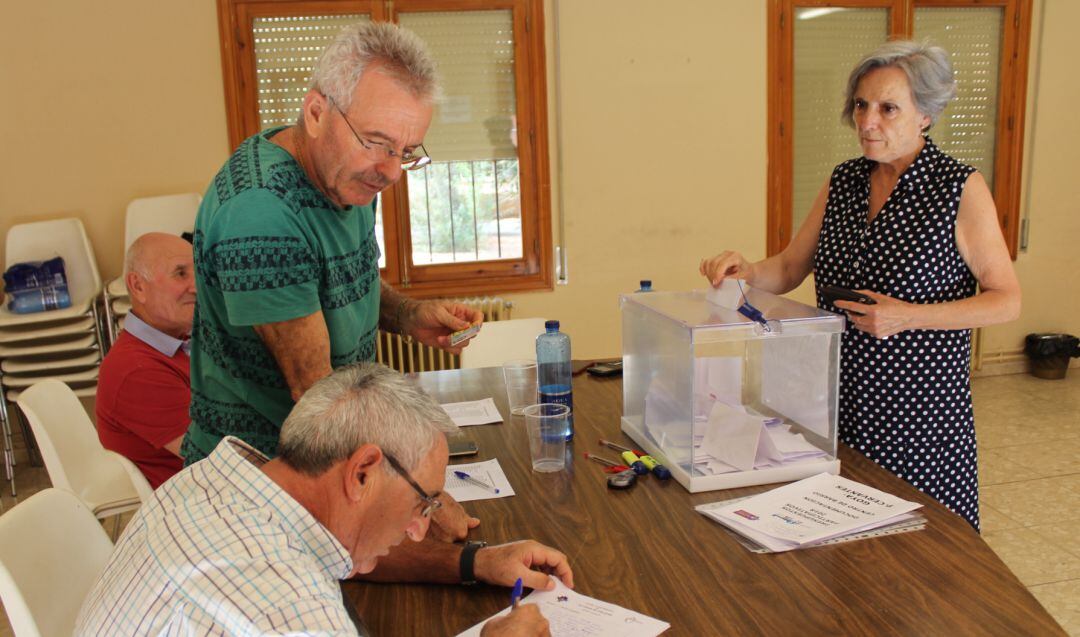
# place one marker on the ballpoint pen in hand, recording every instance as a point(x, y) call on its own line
point(468, 478)
point(515, 595)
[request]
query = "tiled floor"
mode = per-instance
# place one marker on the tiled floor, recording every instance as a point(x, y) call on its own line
point(1029, 472)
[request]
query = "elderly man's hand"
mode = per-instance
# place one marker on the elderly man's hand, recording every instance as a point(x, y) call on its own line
point(531, 561)
point(523, 621)
point(450, 522)
point(886, 317)
point(432, 322)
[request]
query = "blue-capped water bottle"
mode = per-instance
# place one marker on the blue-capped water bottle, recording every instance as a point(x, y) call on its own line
point(553, 370)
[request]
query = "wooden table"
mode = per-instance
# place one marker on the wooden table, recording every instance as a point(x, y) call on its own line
point(648, 550)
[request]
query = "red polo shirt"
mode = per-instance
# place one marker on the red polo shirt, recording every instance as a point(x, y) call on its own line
point(142, 404)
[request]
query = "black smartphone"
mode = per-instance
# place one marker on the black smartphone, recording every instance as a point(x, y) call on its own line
point(463, 447)
point(832, 294)
point(613, 368)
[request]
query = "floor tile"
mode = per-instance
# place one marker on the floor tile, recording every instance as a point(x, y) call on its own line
point(990, 519)
point(1063, 535)
point(995, 468)
point(1044, 459)
point(1034, 559)
point(1062, 601)
point(1037, 502)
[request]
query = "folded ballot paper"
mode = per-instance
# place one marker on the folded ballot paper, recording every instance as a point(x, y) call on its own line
point(809, 512)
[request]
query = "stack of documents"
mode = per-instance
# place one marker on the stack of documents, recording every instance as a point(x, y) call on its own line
point(736, 440)
point(817, 510)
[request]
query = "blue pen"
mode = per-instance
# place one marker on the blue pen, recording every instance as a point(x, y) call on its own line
point(467, 478)
point(515, 595)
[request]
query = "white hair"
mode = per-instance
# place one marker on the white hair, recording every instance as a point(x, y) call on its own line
point(364, 403)
point(928, 71)
point(400, 53)
point(137, 259)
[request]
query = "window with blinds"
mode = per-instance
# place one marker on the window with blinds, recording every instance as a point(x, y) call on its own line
point(477, 219)
point(466, 205)
point(813, 46)
point(828, 43)
point(972, 36)
point(286, 50)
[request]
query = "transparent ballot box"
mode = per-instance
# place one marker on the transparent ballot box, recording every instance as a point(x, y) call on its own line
point(725, 401)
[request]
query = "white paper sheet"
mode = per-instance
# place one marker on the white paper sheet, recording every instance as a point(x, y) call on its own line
point(488, 472)
point(473, 412)
point(811, 510)
point(572, 614)
point(728, 295)
point(732, 436)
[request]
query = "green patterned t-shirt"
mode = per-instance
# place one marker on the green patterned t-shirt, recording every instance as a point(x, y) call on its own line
point(270, 247)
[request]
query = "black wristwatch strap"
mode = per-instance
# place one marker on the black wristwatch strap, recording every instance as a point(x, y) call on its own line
point(468, 560)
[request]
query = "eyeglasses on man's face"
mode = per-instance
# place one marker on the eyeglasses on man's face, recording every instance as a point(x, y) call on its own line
point(411, 160)
point(430, 503)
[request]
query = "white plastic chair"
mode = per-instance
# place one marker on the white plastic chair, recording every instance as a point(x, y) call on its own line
point(43, 240)
point(72, 453)
point(172, 214)
point(52, 550)
point(501, 341)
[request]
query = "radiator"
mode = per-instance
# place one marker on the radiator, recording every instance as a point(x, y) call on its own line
point(406, 355)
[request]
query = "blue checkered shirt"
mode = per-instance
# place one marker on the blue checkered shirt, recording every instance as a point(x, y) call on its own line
point(221, 550)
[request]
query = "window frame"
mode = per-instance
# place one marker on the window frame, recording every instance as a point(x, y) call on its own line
point(535, 269)
point(1012, 101)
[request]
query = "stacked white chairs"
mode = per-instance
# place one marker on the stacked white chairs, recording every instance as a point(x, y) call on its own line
point(65, 343)
point(501, 341)
point(52, 550)
point(172, 214)
point(105, 481)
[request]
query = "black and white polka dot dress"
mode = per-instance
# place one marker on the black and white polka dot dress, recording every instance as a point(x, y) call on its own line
point(905, 401)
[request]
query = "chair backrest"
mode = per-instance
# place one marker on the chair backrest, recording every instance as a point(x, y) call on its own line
point(65, 434)
point(500, 341)
point(141, 484)
point(52, 550)
point(42, 240)
point(174, 214)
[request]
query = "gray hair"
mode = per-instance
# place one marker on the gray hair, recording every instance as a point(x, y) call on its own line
point(928, 71)
point(401, 54)
point(364, 403)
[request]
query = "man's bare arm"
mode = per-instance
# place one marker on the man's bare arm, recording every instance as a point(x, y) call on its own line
point(301, 348)
point(173, 446)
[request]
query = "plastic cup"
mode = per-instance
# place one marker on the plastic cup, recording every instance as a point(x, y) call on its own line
point(520, 379)
point(546, 424)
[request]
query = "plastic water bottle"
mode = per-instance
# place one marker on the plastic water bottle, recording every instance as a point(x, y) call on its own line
point(645, 285)
point(553, 370)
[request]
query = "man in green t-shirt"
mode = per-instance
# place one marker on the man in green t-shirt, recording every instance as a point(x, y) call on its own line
point(286, 257)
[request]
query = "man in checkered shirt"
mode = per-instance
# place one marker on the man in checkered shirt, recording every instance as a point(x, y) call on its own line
point(238, 544)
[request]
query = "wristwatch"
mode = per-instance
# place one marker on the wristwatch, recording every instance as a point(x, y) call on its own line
point(468, 559)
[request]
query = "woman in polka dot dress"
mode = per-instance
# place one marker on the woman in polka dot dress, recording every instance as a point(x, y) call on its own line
point(916, 231)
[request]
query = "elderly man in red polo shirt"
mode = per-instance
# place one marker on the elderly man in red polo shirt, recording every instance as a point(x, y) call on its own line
point(144, 387)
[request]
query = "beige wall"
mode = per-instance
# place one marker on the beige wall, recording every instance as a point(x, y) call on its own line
point(662, 129)
point(663, 145)
point(105, 102)
point(1050, 269)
